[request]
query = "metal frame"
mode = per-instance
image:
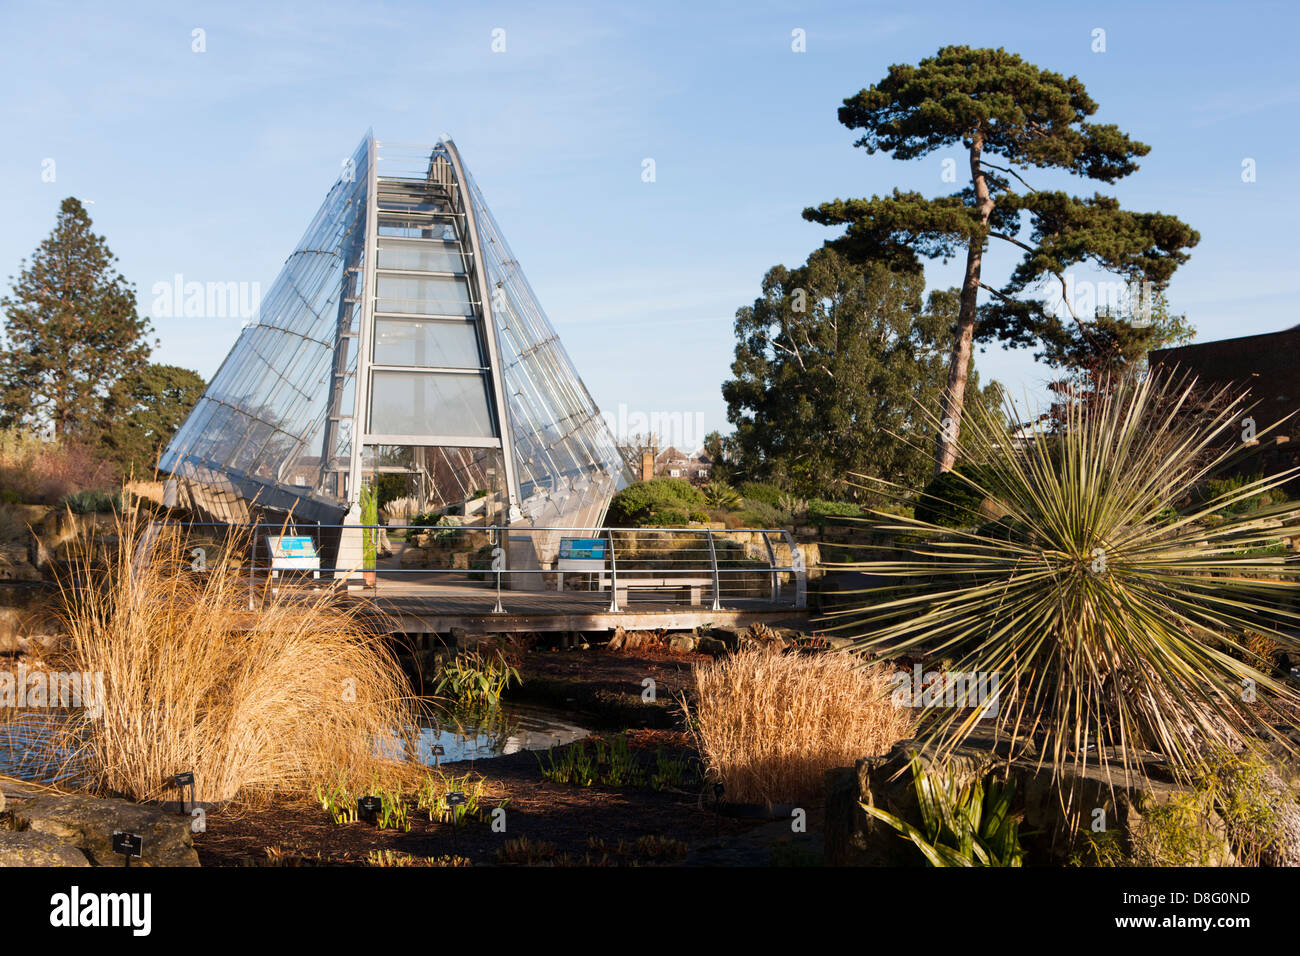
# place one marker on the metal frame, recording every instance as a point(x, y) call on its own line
point(254, 434)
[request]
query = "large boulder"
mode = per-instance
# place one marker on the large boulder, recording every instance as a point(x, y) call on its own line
point(33, 848)
point(88, 824)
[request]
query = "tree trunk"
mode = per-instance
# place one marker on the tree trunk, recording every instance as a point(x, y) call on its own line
point(954, 393)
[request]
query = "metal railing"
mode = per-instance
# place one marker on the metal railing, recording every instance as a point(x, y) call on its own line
point(676, 565)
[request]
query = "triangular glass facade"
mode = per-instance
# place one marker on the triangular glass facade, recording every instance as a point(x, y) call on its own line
point(403, 283)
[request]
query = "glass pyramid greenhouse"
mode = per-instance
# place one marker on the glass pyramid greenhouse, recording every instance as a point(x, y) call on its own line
point(401, 338)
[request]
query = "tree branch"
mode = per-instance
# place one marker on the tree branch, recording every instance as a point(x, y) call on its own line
point(1010, 171)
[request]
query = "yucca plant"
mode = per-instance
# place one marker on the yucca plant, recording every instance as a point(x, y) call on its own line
point(1112, 609)
point(960, 825)
point(719, 494)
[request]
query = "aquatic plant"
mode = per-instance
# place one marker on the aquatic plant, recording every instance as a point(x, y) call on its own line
point(431, 797)
point(525, 851)
point(475, 681)
point(395, 858)
point(393, 812)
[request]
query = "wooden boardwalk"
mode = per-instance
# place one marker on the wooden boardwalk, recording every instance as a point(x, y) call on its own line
point(434, 604)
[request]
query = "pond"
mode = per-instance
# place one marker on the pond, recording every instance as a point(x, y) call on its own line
point(516, 727)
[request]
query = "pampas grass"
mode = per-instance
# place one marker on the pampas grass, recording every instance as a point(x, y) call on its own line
point(770, 725)
point(255, 703)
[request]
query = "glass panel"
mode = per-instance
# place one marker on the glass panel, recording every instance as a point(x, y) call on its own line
point(435, 295)
point(284, 391)
point(430, 403)
point(427, 343)
point(430, 256)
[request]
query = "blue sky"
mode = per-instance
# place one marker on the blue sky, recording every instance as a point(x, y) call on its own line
point(212, 164)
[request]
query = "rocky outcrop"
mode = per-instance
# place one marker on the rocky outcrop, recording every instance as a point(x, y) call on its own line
point(33, 848)
point(88, 823)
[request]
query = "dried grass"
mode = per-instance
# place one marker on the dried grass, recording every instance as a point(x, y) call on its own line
point(254, 703)
point(770, 725)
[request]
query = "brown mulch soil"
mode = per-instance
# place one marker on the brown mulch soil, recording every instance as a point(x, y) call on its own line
point(567, 817)
point(595, 825)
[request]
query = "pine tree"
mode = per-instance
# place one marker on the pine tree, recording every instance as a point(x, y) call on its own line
point(994, 104)
point(71, 332)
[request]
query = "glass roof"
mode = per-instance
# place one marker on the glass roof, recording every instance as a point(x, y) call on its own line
point(276, 424)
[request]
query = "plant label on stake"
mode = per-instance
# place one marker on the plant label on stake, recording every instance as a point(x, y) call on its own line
point(368, 808)
point(181, 781)
point(128, 845)
point(454, 799)
point(438, 752)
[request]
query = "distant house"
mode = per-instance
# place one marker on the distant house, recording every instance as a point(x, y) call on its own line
point(672, 463)
point(1267, 365)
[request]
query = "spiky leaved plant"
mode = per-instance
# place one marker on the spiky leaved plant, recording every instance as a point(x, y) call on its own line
point(1113, 611)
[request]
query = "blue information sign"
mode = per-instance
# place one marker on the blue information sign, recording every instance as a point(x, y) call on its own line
point(585, 549)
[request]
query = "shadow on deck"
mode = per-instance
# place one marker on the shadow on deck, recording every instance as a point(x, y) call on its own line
point(432, 603)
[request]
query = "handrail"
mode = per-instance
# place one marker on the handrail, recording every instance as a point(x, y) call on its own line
point(666, 565)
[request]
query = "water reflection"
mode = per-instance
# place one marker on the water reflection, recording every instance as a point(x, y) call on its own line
point(510, 730)
point(26, 752)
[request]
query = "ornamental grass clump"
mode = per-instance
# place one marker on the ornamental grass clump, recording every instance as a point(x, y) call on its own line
point(768, 726)
point(1112, 596)
point(262, 702)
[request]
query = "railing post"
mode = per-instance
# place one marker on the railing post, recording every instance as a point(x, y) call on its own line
point(776, 575)
point(613, 574)
point(713, 559)
point(800, 570)
point(252, 556)
point(498, 563)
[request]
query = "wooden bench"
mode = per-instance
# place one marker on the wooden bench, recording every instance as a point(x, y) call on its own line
point(695, 586)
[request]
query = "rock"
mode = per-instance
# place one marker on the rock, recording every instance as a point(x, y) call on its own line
point(32, 848)
point(413, 557)
point(683, 643)
point(729, 635)
point(710, 645)
point(635, 639)
point(88, 824)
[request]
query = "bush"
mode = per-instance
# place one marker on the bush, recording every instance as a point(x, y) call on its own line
point(768, 494)
point(35, 471)
point(659, 502)
point(90, 502)
point(1226, 488)
point(770, 725)
point(824, 512)
point(759, 514)
point(950, 501)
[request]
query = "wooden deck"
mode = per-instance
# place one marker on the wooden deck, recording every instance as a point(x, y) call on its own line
point(434, 604)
